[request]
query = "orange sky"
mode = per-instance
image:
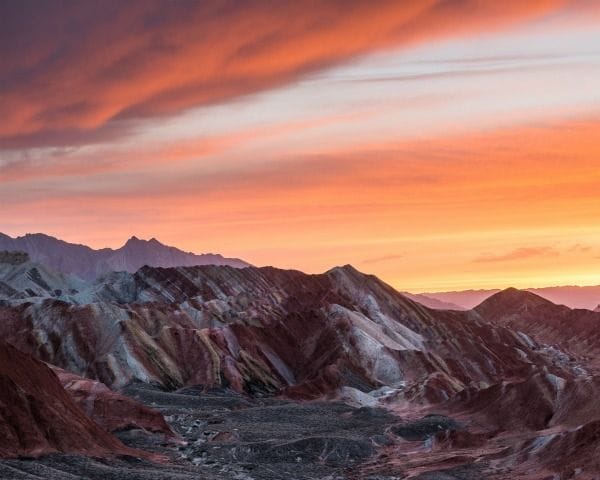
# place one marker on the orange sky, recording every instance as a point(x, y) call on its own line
point(448, 145)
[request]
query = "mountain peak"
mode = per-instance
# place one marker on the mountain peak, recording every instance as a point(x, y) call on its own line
point(136, 241)
point(133, 240)
point(514, 295)
point(344, 268)
point(511, 300)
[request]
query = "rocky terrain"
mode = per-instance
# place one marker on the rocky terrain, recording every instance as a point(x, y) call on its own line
point(225, 435)
point(261, 373)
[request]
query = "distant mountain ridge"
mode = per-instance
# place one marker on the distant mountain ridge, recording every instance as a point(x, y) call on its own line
point(587, 297)
point(89, 264)
point(431, 302)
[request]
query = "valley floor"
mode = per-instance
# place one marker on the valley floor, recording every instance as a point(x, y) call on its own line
point(225, 435)
point(228, 436)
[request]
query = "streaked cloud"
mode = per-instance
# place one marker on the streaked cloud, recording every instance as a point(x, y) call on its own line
point(72, 69)
point(384, 258)
point(579, 248)
point(437, 201)
point(518, 254)
point(407, 138)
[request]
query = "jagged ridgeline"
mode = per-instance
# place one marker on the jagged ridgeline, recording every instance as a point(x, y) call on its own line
point(89, 264)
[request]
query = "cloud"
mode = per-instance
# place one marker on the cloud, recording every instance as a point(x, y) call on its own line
point(312, 212)
point(580, 248)
point(384, 258)
point(72, 69)
point(518, 254)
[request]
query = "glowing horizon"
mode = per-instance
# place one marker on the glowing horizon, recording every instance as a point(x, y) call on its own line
point(440, 146)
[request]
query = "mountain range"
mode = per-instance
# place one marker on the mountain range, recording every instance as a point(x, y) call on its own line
point(587, 297)
point(89, 264)
point(264, 373)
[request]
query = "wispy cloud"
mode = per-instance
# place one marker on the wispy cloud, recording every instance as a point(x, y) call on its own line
point(518, 254)
point(384, 258)
point(69, 72)
point(580, 248)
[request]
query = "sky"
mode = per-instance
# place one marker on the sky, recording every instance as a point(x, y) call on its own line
point(438, 144)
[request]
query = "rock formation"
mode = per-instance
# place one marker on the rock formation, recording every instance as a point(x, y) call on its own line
point(112, 411)
point(265, 330)
point(510, 386)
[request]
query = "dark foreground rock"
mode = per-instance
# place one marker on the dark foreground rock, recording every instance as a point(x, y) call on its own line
point(229, 436)
point(267, 438)
point(427, 427)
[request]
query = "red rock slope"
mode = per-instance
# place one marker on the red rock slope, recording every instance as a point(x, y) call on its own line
point(112, 411)
point(37, 416)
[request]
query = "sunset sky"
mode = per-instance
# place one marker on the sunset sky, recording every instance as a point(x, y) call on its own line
point(439, 144)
